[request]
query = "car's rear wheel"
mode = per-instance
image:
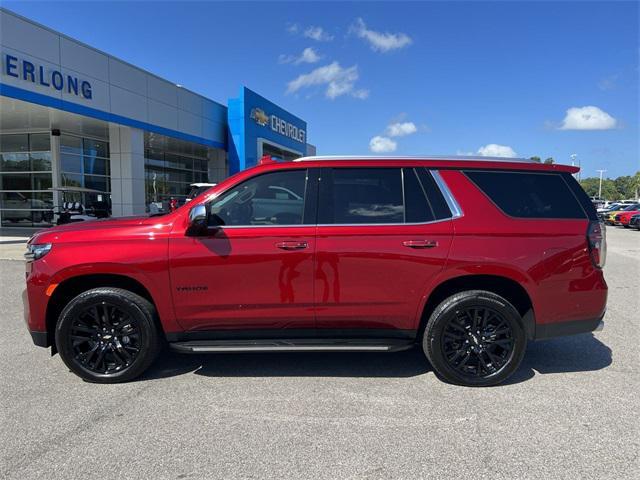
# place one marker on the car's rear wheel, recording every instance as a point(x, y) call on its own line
point(108, 335)
point(475, 338)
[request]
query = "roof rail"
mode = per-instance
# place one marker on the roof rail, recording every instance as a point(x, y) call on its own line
point(468, 158)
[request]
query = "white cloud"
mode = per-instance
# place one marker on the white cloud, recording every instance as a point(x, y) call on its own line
point(308, 55)
point(318, 34)
point(292, 28)
point(380, 144)
point(587, 118)
point(379, 41)
point(338, 80)
point(400, 129)
point(495, 150)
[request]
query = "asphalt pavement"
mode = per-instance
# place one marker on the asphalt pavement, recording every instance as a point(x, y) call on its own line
point(571, 411)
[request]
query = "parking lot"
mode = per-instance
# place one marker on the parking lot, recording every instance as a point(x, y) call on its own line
point(571, 411)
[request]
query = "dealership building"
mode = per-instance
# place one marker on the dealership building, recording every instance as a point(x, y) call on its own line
point(77, 124)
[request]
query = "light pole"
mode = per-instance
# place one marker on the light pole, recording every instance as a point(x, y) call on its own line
point(573, 157)
point(600, 187)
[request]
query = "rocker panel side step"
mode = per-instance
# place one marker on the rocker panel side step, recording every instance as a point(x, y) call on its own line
point(291, 345)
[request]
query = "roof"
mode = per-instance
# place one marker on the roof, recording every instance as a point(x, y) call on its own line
point(446, 161)
point(410, 157)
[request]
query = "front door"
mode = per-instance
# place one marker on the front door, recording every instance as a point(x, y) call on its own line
point(254, 271)
point(382, 238)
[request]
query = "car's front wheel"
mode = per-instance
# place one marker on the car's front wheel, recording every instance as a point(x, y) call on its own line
point(107, 335)
point(475, 338)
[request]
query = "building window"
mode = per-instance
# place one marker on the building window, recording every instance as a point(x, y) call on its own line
point(170, 167)
point(25, 180)
point(279, 154)
point(84, 163)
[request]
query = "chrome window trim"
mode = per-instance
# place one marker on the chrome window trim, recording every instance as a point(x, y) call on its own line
point(414, 224)
point(463, 158)
point(456, 211)
point(454, 207)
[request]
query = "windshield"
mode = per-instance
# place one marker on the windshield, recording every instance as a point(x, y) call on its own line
point(195, 191)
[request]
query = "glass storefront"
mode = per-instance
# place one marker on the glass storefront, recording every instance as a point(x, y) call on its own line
point(25, 179)
point(170, 167)
point(279, 154)
point(84, 162)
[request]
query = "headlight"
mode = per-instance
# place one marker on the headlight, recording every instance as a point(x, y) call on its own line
point(36, 251)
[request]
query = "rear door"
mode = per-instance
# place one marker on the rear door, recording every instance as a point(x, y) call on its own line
point(383, 234)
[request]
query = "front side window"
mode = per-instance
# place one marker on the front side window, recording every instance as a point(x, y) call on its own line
point(275, 198)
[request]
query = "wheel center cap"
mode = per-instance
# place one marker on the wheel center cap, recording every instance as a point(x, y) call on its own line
point(107, 337)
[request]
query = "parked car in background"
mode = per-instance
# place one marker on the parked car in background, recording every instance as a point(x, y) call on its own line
point(607, 207)
point(468, 259)
point(634, 221)
point(624, 217)
point(25, 206)
point(610, 217)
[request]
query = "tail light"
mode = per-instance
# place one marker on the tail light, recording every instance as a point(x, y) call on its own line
point(597, 240)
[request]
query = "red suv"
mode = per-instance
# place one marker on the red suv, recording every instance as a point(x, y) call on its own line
point(468, 258)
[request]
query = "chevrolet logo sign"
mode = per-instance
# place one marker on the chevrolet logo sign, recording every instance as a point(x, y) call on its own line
point(260, 117)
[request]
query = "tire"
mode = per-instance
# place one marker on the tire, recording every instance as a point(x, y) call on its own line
point(108, 335)
point(463, 357)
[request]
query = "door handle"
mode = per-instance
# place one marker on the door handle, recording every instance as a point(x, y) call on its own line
point(420, 243)
point(292, 245)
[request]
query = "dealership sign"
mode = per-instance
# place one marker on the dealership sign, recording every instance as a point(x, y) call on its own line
point(278, 125)
point(39, 75)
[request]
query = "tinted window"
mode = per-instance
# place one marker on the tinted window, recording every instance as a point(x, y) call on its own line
point(275, 198)
point(529, 195)
point(581, 195)
point(434, 195)
point(417, 208)
point(361, 195)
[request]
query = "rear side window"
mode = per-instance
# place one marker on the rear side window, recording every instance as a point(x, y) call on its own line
point(529, 195)
point(581, 195)
point(361, 195)
point(379, 196)
point(436, 199)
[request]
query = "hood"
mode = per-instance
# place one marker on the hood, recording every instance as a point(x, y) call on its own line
point(55, 233)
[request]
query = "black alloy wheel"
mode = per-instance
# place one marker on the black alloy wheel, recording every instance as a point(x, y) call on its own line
point(477, 341)
point(475, 338)
point(104, 338)
point(108, 335)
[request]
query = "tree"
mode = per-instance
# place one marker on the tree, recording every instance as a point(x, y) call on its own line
point(549, 161)
point(591, 185)
point(635, 185)
point(535, 159)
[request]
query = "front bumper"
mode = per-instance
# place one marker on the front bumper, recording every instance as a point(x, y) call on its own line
point(40, 339)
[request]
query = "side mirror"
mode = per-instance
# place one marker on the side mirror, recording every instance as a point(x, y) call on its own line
point(197, 220)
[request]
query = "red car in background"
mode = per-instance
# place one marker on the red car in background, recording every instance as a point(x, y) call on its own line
point(624, 218)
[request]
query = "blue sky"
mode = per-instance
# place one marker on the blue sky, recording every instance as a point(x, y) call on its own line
point(403, 78)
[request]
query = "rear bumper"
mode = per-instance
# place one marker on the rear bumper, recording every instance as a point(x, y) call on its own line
point(574, 327)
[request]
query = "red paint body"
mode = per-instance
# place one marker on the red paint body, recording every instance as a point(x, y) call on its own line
point(625, 217)
point(348, 277)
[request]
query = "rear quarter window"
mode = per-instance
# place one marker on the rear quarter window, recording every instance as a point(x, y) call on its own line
point(528, 194)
